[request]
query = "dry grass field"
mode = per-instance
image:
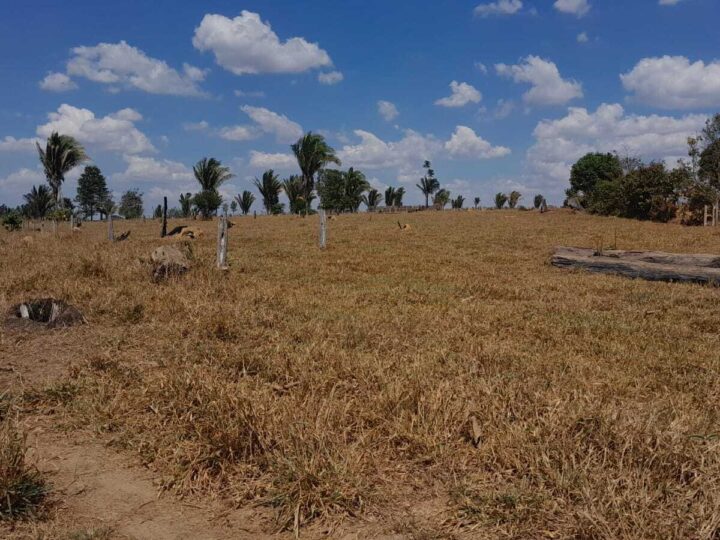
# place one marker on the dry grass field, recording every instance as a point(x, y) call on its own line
point(337, 390)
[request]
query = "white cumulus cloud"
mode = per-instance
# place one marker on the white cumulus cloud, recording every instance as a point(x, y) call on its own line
point(11, 144)
point(573, 7)
point(548, 86)
point(464, 142)
point(57, 82)
point(265, 121)
point(387, 110)
point(500, 7)
point(247, 45)
point(115, 132)
point(673, 82)
point(150, 169)
point(461, 94)
point(124, 66)
point(330, 78)
point(279, 161)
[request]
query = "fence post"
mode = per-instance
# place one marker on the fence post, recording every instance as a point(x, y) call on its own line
point(163, 232)
point(222, 241)
point(111, 233)
point(323, 228)
point(705, 217)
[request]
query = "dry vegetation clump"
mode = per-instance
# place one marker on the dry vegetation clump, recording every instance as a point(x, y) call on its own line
point(22, 489)
point(344, 382)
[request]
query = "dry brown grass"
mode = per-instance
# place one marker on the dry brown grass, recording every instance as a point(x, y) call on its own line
point(342, 382)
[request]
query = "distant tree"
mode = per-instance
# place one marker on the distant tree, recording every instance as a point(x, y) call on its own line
point(341, 191)
point(441, 198)
point(399, 194)
point(186, 201)
point(245, 201)
point(61, 154)
point(106, 207)
point(513, 199)
point(294, 191)
point(457, 202)
point(500, 200)
point(92, 190)
point(12, 221)
point(158, 212)
point(39, 202)
point(538, 200)
point(477, 202)
point(313, 154)
point(270, 187)
point(131, 204)
point(591, 169)
point(210, 174)
point(428, 183)
point(233, 206)
point(390, 196)
point(372, 199)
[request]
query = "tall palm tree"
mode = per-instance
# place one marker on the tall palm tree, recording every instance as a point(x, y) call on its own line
point(372, 199)
point(514, 198)
point(390, 197)
point(293, 188)
point(185, 204)
point(210, 174)
point(38, 202)
point(61, 154)
point(355, 186)
point(269, 188)
point(312, 154)
point(500, 200)
point(245, 201)
point(458, 202)
point(428, 183)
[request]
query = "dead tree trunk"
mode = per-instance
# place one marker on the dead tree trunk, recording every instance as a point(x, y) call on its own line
point(163, 232)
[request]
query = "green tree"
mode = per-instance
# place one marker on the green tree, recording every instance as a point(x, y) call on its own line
point(428, 183)
point(399, 194)
point(293, 188)
point(514, 198)
point(92, 190)
point(591, 169)
point(477, 202)
point(270, 187)
point(39, 202)
point(538, 200)
point(186, 201)
point(158, 212)
point(233, 206)
point(341, 191)
point(441, 198)
point(245, 201)
point(313, 154)
point(390, 196)
point(500, 200)
point(61, 154)
point(372, 199)
point(457, 202)
point(131, 204)
point(210, 174)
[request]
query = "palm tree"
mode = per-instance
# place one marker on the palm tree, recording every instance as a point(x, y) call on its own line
point(372, 199)
point(538, 200)
point(210, 174)
point(312, 154)
point(514, 198)
point(245, 201)
point(390, 196)
point(500, 200)
point(355, 186)
point(61, 154)
point(428, 183)
point(477, 202)
point(38, 202)
point(270, 188)
point(458, 202)
point(293, 188)
point(185, 204)
point(441, 198)
point(399, 193)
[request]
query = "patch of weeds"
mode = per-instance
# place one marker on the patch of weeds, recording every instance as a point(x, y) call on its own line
point(57, 394)
point(493, 507)
point(133, 315)
point(22, 488)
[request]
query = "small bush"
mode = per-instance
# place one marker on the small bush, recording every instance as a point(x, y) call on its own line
point(12, 221)
point(21, 487)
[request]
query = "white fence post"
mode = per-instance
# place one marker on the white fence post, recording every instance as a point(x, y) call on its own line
point(222, 241)
point(111, 233)
point(323, 228)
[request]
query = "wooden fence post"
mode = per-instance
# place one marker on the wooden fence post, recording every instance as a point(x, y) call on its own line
point(111, 233)
point(163, 232)
point(705, 217)
point(323, 228)
point(222, 241)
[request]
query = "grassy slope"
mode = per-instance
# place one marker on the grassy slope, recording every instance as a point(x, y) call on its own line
point(343, 381)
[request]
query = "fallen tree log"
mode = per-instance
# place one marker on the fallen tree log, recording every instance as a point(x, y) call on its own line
point(648, 265)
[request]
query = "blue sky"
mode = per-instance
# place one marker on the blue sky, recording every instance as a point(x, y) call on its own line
point(499, 94)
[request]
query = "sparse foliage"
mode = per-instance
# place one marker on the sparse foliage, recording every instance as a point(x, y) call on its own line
point(39, 202)
point(428, 183)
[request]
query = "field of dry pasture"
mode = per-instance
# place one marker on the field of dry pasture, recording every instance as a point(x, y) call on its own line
point(337, 389)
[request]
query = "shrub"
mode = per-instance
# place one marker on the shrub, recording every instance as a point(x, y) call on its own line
point(12, 221)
